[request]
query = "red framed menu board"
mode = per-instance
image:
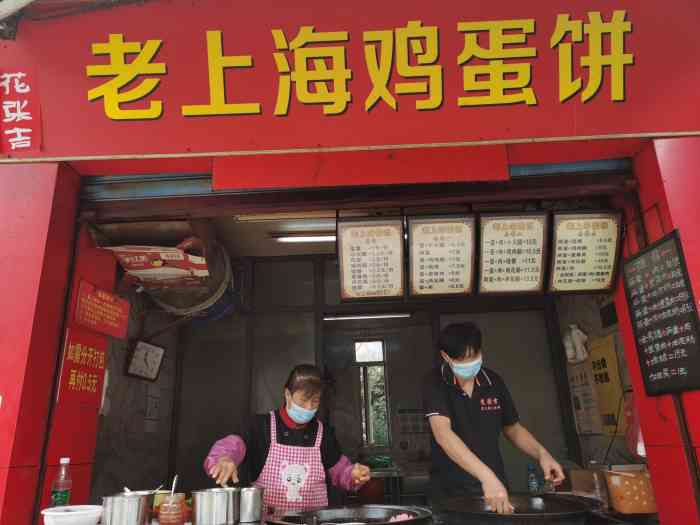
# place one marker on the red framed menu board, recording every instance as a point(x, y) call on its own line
point(371, 258)
point(586, 248)
point(513, 250)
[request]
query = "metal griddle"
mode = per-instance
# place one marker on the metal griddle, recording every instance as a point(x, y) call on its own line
point(548, 508)
point(355, 515)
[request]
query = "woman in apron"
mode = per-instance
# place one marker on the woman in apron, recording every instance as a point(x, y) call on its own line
point(289, 452)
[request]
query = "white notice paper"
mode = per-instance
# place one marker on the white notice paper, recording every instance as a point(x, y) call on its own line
point(371, 258)
point(512, 253)
point(442, 255)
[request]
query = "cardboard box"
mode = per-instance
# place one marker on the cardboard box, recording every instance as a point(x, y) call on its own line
point(630, 490)
point(589, 483)
point(157, 267)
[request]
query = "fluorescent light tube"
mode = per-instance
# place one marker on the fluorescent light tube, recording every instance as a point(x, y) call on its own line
point(305, 238)
point(358, 317)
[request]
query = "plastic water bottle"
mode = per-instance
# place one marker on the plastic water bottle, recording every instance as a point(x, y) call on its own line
point(533, 483)
point(60, 489)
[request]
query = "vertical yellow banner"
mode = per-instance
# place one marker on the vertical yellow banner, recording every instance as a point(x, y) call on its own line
point(606, 378)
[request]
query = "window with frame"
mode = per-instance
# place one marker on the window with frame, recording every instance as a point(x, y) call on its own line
point(370, 358)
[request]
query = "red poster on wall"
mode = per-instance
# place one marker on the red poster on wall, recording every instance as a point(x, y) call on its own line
point(101, 311)
point(82, 368)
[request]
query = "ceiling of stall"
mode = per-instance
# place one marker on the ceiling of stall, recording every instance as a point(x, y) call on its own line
point(249, 238)
point(252, 235)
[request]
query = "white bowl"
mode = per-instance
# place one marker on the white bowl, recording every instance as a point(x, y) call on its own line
point(73, 515)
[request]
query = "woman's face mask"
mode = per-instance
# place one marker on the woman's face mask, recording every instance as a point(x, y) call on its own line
point(301, 410)
point(467, 370)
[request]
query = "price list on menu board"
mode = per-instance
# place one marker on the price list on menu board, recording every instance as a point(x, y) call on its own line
point(664, 317)
point(586, 248)
point(441, 255)
point(371, 258)
point(512, 253)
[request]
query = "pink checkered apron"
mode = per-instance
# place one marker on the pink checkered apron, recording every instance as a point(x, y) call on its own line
point(293, 477)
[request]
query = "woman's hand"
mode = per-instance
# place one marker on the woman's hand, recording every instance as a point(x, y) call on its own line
point(496, 496)
point(224, 470)
point(360, 474)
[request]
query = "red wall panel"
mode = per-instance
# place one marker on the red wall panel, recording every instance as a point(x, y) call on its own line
point(679, 164)
point(657, 414)
point(47, 321)
point(37, 209)
point(26, 194)
point(362, 168)
point(675, 500)
point(574, 151)
point(20, 494)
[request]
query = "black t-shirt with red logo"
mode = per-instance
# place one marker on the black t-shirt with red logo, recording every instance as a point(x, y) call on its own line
point(478, 420)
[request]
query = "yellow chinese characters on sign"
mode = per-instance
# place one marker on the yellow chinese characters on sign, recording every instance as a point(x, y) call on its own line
point(496, 63)
point(218, 63)
point(84, 355)
point(312, 83)
point(606, 378)
point(615, 60)
point(123, 74)
point(498, 85)
point(80, 381)
point(412, 43)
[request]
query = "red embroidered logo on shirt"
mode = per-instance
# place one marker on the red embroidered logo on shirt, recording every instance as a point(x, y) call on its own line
point(490, 404)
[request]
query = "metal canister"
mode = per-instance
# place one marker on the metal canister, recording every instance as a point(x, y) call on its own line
point(218, 506)
point(251, 504)
point(128, 508)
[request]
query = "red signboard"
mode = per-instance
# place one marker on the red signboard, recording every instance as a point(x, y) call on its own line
point(276, 78)
point(102, 311)
point(20, 122)
point(83, 368)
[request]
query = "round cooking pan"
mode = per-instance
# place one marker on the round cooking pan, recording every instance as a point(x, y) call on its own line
point(357, 515)
point(529, 510)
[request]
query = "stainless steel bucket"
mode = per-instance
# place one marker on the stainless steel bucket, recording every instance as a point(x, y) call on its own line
point(218, 506)
point(251, 504)
point(128, 508)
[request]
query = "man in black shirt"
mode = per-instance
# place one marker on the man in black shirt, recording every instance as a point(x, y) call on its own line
point(468, 407)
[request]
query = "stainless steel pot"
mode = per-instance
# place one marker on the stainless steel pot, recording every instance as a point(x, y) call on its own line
point(218, 506)
point(128, 508)
point(251, 504)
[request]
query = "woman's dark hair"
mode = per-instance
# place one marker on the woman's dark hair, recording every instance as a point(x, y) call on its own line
point(460, 340)
point(305, 378)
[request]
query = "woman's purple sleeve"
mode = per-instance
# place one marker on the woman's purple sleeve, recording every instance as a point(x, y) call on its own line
point(341, 474)
point(232, 447)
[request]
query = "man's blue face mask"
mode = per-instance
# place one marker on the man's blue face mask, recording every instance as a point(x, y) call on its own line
point(467, 370)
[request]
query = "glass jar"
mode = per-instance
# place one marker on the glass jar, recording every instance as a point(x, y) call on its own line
point(172, 510)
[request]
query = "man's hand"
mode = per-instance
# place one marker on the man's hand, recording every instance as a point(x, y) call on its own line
point(224, 470)
point(552, 470)
point(496, 496)
point(360, 474)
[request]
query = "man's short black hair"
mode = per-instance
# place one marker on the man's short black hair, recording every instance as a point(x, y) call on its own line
point(460, 340)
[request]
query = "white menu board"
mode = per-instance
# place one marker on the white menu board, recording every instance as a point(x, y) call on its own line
point(371, 258)
point(441, 255)
point(586, 247)
point(512, 253)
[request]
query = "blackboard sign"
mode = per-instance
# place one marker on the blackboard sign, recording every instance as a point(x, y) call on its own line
point(664, 317)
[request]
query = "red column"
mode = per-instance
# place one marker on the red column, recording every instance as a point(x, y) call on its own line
point(38, 206)
point(74, 424)
point(667, 174)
